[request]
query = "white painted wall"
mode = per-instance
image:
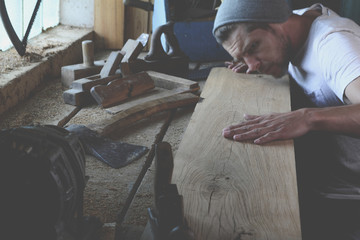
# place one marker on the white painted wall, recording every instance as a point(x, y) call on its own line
point(78, 13)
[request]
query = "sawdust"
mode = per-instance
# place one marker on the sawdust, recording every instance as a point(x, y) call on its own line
point(11, 60)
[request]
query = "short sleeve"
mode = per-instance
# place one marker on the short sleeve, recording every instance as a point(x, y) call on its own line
point(339, 56)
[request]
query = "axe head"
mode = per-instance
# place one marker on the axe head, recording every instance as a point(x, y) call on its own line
point(115, 154)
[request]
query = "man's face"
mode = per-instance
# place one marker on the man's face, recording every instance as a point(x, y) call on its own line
point(262, 50)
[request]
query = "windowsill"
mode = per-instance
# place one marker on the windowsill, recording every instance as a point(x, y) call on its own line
point(45, 55)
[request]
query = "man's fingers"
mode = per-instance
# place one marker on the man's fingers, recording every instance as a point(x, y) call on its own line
point(250, 135)
point(250, 117)
point(270, 136)
point(248, 122)
point(230, 131)
point(243, 132)
point(240, 68)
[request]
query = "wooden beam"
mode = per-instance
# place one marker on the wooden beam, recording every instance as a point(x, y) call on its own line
point(137, 22)
point(237, 190)
point(109, 22)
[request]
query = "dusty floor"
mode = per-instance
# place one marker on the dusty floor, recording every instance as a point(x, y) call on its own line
point(118, 197)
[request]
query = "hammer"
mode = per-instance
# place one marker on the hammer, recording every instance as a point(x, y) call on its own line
point(88, 68)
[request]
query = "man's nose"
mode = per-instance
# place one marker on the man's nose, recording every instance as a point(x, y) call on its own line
point(253, 64)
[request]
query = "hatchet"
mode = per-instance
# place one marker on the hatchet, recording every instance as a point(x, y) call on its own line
point(115, 154)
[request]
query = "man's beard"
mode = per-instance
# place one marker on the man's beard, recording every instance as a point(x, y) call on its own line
point(283, 63)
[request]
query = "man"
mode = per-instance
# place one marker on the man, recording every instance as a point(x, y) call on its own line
point(321, 53)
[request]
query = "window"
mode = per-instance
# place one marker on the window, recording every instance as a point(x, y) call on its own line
point(20, 12)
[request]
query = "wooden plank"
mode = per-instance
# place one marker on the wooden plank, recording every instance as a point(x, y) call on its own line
point(109, 22)
point(125, 118)
point(137, 22)
point(237, 190)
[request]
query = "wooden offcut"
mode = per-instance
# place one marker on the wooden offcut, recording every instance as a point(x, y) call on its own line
point(123, 119)
point(237, 190)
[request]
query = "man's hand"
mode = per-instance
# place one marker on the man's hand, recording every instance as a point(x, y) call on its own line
point(266, 128)
point(237, 66)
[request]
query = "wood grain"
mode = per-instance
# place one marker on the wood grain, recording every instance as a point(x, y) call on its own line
point(109, 22)
point(237, 190)
point(137, 22)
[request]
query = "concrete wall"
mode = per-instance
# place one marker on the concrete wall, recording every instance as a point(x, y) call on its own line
point(78, 13)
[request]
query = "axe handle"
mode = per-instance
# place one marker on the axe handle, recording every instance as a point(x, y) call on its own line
point(164, 164)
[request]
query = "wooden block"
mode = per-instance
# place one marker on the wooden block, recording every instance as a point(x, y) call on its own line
point(132, 48)
point(119, 90)
point(235, 190)
point(112, 63)
point(79, 94)
point(85, 84)
point(165, 86)
point(71, 73)
point(125, 68)
point(77, 97)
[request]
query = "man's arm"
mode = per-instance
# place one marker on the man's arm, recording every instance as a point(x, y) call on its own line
point(280, 126)
point(352, 91)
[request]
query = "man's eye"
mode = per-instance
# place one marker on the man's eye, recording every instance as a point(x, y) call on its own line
point(253, 47)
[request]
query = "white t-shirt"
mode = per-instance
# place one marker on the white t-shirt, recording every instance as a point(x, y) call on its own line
point(329, 59)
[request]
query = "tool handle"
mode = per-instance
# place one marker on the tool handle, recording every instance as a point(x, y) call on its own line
point(88, 53)
point(164, 164)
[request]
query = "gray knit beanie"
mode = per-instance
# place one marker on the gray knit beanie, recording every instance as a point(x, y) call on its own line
point(266, 11)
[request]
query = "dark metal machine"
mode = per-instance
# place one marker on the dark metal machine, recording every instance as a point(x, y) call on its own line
point(42, 179)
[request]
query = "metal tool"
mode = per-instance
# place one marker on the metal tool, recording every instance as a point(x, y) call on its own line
point(156, 51)
point(172, 62)
point(167, 220)
point(20, 46)
point(115, 154)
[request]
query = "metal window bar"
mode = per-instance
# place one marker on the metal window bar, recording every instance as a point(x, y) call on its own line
point(20, 12)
